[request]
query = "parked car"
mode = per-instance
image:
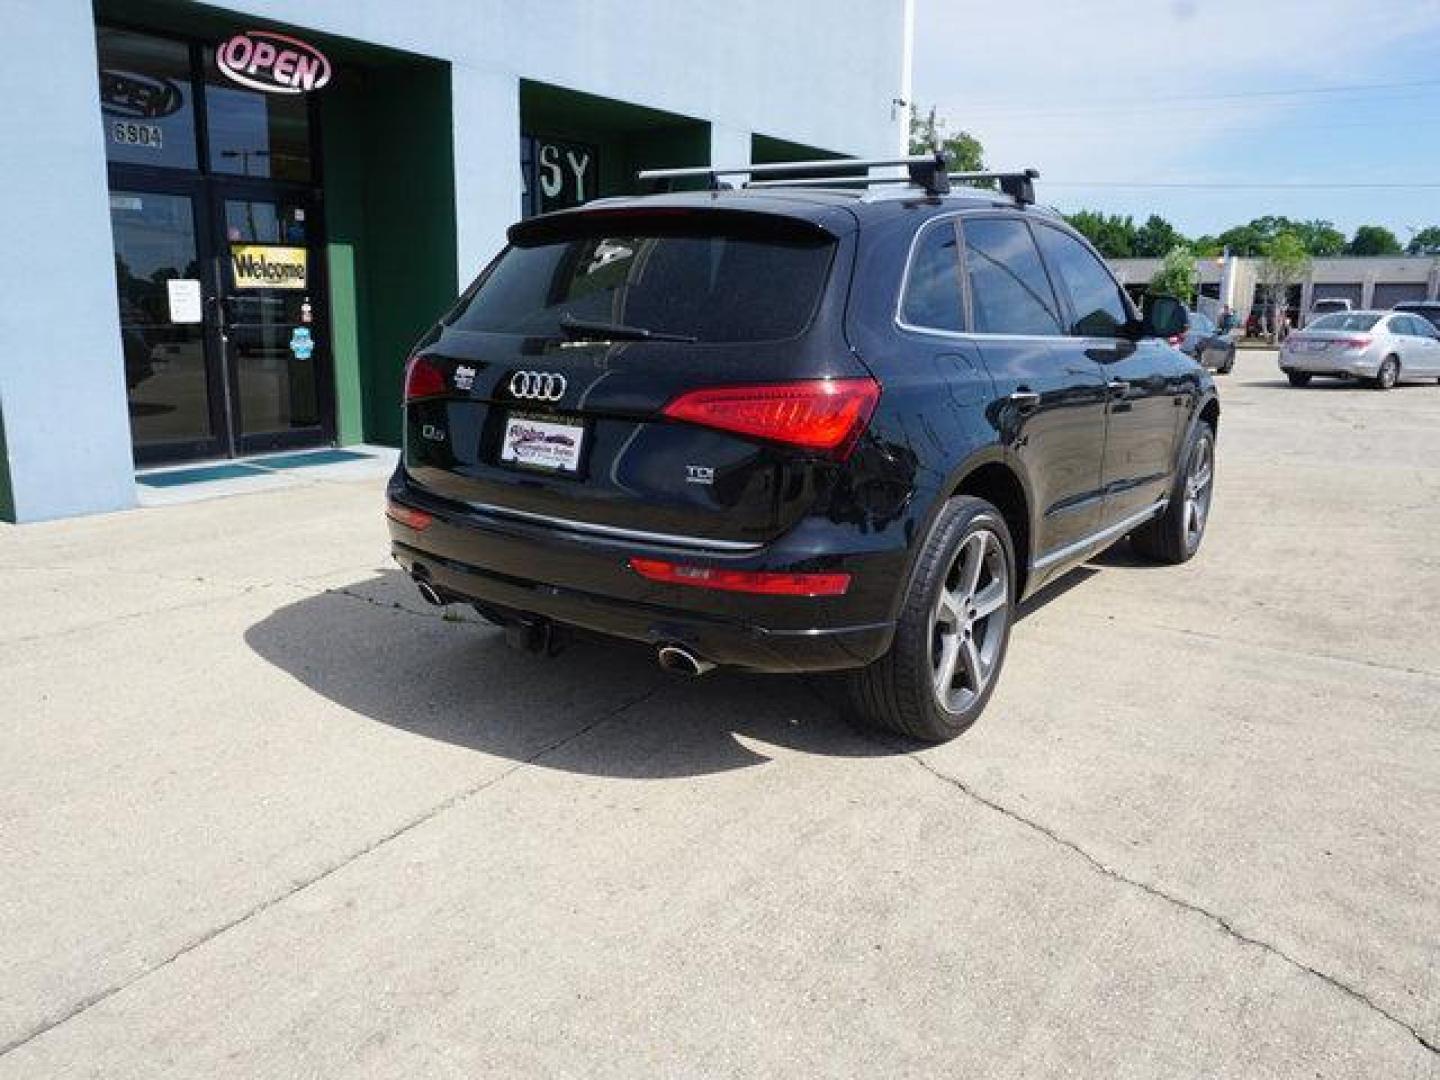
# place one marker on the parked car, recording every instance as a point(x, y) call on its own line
point(797, 443)
point(1381, 347)
point(1327, 305)
point(1429, 310)
point(1204, 342)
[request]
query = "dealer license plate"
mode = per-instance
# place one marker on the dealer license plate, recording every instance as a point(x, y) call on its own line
point(547, 444)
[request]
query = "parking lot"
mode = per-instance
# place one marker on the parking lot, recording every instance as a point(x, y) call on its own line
point(265, 813)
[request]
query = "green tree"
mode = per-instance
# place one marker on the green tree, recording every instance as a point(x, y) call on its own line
point(1373, 240)
point(1157, 237)
point(1320, 238)
point(1177, 276)
point(929, 133)
point(1112, 235)
point(1243, 240)
point(1286, 263)
point(1425, 242)
point(1206, 246)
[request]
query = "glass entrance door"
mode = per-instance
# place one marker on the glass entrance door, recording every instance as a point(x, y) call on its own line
point(218, 251)
point(172, 379)
point(273, 322)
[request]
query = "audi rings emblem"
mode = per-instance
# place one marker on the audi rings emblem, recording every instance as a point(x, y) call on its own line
point(537, 385)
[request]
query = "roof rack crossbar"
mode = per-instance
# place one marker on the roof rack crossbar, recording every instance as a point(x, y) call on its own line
point(1020, 185)
point(927, 170)
point(924, 170)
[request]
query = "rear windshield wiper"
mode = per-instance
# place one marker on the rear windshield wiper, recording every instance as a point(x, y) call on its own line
point(605, 331)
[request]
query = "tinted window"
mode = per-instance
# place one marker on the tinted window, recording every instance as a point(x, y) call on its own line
point(1403, 324)
point(716, 288)
point(932, 288)
point(1346, 320)
point(145, 100)
point(1430, 313)
point(1099, 309)
point(1009, 291)
point(253, 133)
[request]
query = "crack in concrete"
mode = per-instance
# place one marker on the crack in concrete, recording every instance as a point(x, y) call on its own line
point(1180, 902)
point(443, 614)
point(91, 1000)
point(1308, 654)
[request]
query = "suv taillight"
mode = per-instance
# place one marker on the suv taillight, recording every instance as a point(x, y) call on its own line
point(813, 414)
point(423, 379)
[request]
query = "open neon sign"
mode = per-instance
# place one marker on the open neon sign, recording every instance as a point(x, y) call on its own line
point(274, 63)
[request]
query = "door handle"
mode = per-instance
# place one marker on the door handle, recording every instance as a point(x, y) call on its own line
point(1025, 401)
point(1118, 388)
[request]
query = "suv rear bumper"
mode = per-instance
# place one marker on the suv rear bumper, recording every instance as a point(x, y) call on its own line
point(520, 570)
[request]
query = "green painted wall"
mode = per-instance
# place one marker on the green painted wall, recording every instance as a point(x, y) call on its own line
point(7, 496)
point(342, 130)
point(390, 219)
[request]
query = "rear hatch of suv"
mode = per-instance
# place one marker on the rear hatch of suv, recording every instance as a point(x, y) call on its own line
point(672, 372)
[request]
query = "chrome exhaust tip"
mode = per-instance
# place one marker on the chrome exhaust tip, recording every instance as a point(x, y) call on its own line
point(682, 661)
point(427, 591)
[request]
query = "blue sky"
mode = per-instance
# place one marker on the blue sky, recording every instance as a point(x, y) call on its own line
point(1199, 92)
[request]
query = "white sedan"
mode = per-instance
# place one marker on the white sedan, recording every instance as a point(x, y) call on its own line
point(1381, 347)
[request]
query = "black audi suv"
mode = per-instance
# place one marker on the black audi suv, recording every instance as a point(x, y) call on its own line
point(791, 428)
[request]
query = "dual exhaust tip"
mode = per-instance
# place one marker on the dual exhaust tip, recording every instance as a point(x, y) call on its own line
point(672, 658)
point(682, 661)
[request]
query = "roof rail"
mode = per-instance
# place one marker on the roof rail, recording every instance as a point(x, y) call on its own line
point(926, 170)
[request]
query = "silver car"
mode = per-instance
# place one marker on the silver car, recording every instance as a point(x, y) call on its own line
point(1380, 347)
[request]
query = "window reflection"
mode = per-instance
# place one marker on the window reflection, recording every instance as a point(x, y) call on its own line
point(253, 133)
point(146, 100)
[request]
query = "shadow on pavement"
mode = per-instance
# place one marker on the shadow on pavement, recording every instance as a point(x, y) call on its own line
point(458, 682)
point(370, 649)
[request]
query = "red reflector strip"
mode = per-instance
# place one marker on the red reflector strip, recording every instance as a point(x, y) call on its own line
point(418, 520)
point(768, 583)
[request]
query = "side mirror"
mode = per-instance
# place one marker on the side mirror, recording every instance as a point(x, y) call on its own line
point(1164, 317)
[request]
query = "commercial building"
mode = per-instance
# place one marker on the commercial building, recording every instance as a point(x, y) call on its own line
point(226, 223)
point(1366, 281)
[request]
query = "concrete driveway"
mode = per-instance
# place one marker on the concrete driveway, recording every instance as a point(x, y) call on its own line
point(266, 814)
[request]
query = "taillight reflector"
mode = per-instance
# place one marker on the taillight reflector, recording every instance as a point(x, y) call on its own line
point(1355, 343)
point(423, 379)
point(769, 583)
point(814, 414)
point(418, 520)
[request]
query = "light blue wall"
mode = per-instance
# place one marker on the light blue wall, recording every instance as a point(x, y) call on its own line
point(62, 381)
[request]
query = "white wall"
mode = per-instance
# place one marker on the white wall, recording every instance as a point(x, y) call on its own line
point(819, 72)
point(62, 375)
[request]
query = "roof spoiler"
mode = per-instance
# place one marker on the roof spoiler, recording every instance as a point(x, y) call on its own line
point(927, 171)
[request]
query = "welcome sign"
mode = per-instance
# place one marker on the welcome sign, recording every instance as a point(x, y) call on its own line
point(268, 266)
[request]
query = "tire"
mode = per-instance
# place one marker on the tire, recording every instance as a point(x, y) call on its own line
point(1298, 378)
point(1175, 536)
point(1388, 375)
point(1228, 366)
point(967, 564)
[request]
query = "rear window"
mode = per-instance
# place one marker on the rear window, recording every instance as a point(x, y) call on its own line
point(1430, 313)
point(712, 286)
point(1345, 320)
